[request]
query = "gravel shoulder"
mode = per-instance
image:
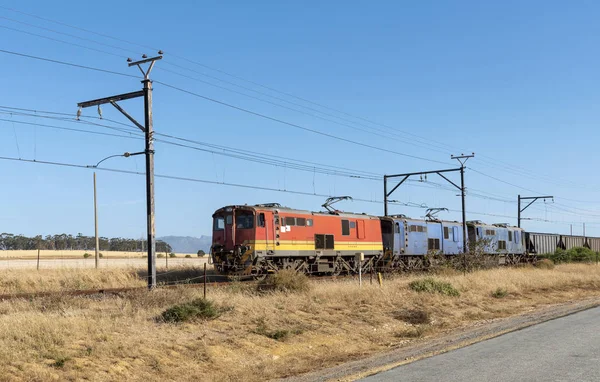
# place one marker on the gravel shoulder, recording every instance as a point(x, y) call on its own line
point(428, 347)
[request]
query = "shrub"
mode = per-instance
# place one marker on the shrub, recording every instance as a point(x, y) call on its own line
point(59, 362)
point(414, 316)
point(544, 264)
point(500, 293)
point(172, 254)
point(197, 309)
point(277, 335)
point(100, 255)
point(581, 255)
point(188, 256)
point(286, 280)
point(201, 253)
point(431, 285)
point(160, 256)
point(86, 255)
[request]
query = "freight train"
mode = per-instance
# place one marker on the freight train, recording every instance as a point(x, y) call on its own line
point(265, 238)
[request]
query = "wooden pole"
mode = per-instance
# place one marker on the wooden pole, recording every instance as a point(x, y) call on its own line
point(167, 260)
point(96, 223)
point(205, 281)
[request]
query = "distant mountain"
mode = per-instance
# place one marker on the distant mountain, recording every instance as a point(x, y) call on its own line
point(188, 244)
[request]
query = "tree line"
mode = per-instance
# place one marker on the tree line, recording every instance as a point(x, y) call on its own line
point(64, 241)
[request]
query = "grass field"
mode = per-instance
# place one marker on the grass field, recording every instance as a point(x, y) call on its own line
point(256, 335)
point(75, 254)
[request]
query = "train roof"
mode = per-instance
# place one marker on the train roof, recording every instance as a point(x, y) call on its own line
point(282, 209)
point(479, 223)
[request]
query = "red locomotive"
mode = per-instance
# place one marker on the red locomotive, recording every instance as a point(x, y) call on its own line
point(261, 239)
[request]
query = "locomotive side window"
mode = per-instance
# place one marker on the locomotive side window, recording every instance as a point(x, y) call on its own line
point(345, 227)
point(352, 224)
point(417, 228)
point(218, 223)
point(501, 244)
point(446, 233)
point(397, 228)
point(260, 222)
point(289, 220)
point(309, 222)
point(455, 234)
point(509, 235)
point(301, 222)
point(229, 219)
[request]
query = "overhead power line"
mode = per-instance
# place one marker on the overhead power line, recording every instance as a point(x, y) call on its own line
point(295, 125)
point(67, 63)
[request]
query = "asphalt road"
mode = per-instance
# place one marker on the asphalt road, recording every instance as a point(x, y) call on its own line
point(566, 349)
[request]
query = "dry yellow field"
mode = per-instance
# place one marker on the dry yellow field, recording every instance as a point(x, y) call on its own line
point(50, 254)
point(258, 335)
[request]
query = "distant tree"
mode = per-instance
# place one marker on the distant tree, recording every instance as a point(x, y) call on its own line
point(201, 253)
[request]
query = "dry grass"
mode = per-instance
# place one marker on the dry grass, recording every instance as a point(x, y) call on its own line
point(259, 336)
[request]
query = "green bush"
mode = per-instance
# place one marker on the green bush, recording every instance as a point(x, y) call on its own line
point(500, 293)
point(100, 255)
point(188, 256)
point(286, 280)
point(86, 255)
point(201, 253)
point(160, 256)
point(581, 255)
point(172, 254)
point(431, 285)
point(197, 309)
point(575, 255)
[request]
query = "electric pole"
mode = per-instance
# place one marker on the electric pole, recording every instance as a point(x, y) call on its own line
point(96, 223)
point(148, 130)
point(462, 159)
point(533, 199)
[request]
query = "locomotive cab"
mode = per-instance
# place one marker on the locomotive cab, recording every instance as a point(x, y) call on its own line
point(233, 230)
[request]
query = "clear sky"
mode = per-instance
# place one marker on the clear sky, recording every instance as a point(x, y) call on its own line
point(515, 82)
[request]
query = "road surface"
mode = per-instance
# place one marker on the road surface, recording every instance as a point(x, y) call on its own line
point(566, 349)
point(104, 263)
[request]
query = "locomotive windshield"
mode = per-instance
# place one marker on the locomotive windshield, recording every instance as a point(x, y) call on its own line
point(218, 223)
point(244, 219)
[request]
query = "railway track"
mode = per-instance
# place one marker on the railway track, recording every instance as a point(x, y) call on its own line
point(117, 291)
point(104, 291)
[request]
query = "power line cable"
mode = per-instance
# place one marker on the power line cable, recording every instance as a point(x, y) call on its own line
point(295, 125)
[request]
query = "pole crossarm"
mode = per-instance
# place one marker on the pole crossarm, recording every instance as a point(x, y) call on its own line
point(533, 199)
point(115, 98)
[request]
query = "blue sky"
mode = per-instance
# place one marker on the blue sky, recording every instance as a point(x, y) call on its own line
point(515, 82)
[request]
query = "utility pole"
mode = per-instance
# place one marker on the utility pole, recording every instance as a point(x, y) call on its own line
point(96, 223)
point(462, 159)
point(148, 130)
point(533, 199)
